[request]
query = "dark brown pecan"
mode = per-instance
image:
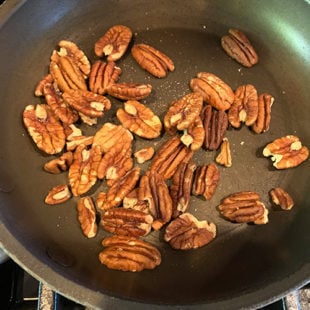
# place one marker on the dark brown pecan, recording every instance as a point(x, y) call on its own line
point(87, 216)
point(59, 164)
point(187, 232)
point(58, 194)
point(281, 198)
point(152, 60)
point(129, 91)
point(238, 47)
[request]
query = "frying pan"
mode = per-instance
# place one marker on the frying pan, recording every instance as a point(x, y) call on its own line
point(246, 265)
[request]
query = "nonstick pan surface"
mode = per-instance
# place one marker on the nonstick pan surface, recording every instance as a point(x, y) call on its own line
point(246, 265)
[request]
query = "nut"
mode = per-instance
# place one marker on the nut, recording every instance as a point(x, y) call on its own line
point(186, 232)
point(224, 157)
point(214, 91)
point(129, 91)
point(144, 154)
point(152, 60)
point(44, 128)
point(180, 189)
point(183, 112)
point(59, 164)
point(238, 47)
point(245, 106)
point(215, 125)
point(127, 222)
point(74, 143)
point(206, 180)
point(87, 216)
point(58, 194)
point(129, 253)
point(244, 207)
point(139, 119)
point(39, 88)
point(131, 199)
point(286, 152)
point(281, 198)
point(113, 43)
point(102, 75)
point(262, 122)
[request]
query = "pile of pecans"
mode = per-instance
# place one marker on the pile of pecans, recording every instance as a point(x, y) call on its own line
point(135, 203)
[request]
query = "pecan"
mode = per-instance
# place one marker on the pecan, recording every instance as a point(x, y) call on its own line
point(119, 190)
point(89, 103)
point(75, 142)
point(238, 47)
point(59, 164)
point(152, 60)
point(187, 232)
point(183, 112)
point(262, 122)
point(58, 194)
point(87, 216)
point(102, 75)
point(127, 222)
point(44, 128)
point(129, 91)
point(39, 88)
point(139, 119)
point(281, 198)
point(224, 157)
point(88, 119)
point(144, 154)
point(131, 199)
point(129, 253)
point(114, 42)
point(245, 106)
point(214, 91)
point(286, 152)
point(154, 191)
point(206, 180)
point(215, 125)
point(139, 205)
point(180, 189)
point(244, 207)
point(83, 171)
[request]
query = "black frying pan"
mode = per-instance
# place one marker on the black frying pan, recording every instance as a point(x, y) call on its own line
point(245, 265)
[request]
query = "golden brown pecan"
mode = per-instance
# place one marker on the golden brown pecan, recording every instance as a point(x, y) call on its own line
point(39, 88)
point(59, 164)
point(58, 194)
point(139, 119)
point(180, 188)
point(186, 232)
point(206, 180)
point(75, 142)
point(129, 253)
point(131, 199)
point(129, 91)
point(245, 106)
point(83, 171)
point(87, 216)
point(183, 112)
point(102, 75)
point(244, 207)
point(135, 204)
point(286, 152)
point(144, 154)
point(127, 222)
point(152, 60)
point(44, 128)
point(281, 198)
point(114, 42)
point(214, 91)
point(224, 157)
point(238, 47)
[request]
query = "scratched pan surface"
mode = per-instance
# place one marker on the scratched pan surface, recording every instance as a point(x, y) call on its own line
point(245, 265)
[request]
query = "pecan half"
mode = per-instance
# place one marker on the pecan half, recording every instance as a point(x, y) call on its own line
point(114, 42)
point(245, 106)
point(58, 194)
point(59, 164)
point(244, 207)
point(139, 119)
point(214, 90)
point(187, 232)
point(224, 157)
point(180, 189)
point(152, 60)
point(44, 128)
point(286, 152)
point(215, 125)
point(102, 75)
point(237, 46)
point(281, 198)
point(206, 180)
point(129, 91)
point(129, 253)
point(127, 222)
point(87, 216)
point(144, 154)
